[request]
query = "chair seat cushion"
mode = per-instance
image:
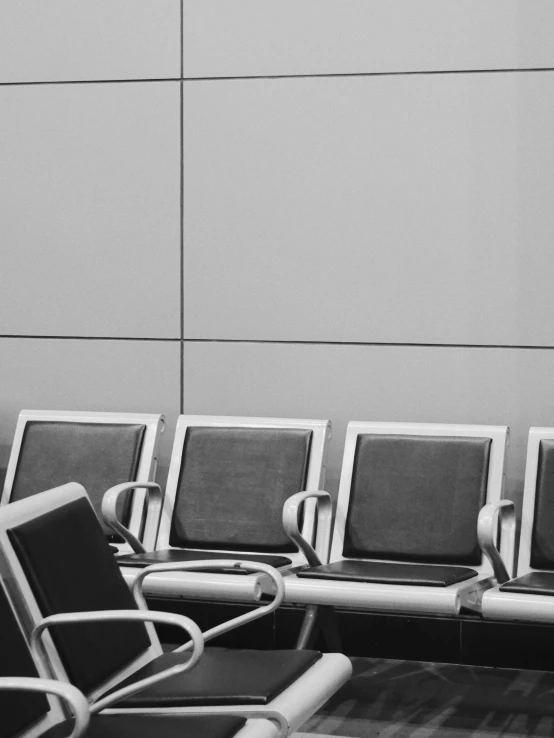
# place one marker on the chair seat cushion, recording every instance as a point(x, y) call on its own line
point(385, 572)
point(222, 677)
point(161, 726)
point(183, 554)
point(536, 582)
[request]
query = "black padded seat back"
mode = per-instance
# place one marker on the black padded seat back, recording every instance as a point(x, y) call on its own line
point(233, 484)
point(96, 455)
point(18, 710)
point(542, 540)
point(417, 498)
point(70, 568)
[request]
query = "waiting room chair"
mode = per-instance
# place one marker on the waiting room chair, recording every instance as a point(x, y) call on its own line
point(229, 478)
point(27, 709)
point(530, 595)
point(405, 534)
point(98, 450)
point(50, 588)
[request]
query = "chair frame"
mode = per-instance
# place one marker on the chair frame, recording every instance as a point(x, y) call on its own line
point(289, 709)
point(401, 598)
point(212, 585)
point(500, 605)
point(154, 427)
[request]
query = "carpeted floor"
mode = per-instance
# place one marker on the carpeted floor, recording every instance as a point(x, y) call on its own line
point(404, 699)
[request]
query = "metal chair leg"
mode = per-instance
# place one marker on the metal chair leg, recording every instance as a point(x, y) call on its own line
point(309, 627)
point(320, 618)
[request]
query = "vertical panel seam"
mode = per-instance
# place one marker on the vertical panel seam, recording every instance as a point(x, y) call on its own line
point(182, 223)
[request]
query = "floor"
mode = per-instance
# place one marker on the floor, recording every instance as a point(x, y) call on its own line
point(404, 699)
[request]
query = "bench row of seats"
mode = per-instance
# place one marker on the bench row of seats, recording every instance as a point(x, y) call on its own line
point(64, 601)
point(406, 536)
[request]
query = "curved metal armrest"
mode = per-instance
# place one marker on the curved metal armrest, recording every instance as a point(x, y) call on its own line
point(291, 517)
point(109, 509)
point(67, 692)
point(254, 566)
point(487, 526)
point(165, 618)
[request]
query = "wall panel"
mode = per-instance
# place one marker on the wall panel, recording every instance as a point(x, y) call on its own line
point(89, 206)
point(341, 383)
point(412, 209)
point(89, 40)
point(115, 376)
point(259, 37)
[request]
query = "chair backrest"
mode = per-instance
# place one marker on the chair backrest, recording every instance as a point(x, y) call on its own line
point(56, 554)
point(536, 545)
point(97, 450)
point(412, 491)
point(229, 478)
point(22, 714)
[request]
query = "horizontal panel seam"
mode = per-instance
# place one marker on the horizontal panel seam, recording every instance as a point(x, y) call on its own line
point(411, 73)
point(278, 342)
point(405, 344)
point(88, 81)
point(88, 338)
point(402, 73)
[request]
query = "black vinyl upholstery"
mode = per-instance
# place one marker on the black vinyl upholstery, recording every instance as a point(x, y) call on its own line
point(233, 484)
point(181, 554)
point(535, 582)
point(222, 677)
point(18, 710)
point(383, 572)
point(97, 455)
point(542, 542)
point(69, 568)
point(417, 498)
point(155, 726)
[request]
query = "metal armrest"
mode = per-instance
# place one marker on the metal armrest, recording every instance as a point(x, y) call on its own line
point(254, 566)
point(109, 509)
point(486, 534)
point(291, 516)
point(67, 692)
point(165, 618)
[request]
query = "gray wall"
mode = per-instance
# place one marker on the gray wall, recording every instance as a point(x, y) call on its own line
point(322, 208)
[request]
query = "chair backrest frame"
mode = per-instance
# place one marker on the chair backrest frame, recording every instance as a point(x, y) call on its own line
point(21, 595)
point(536, 435)
point(498, 434)
point(148, 462)
point(315, 478)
